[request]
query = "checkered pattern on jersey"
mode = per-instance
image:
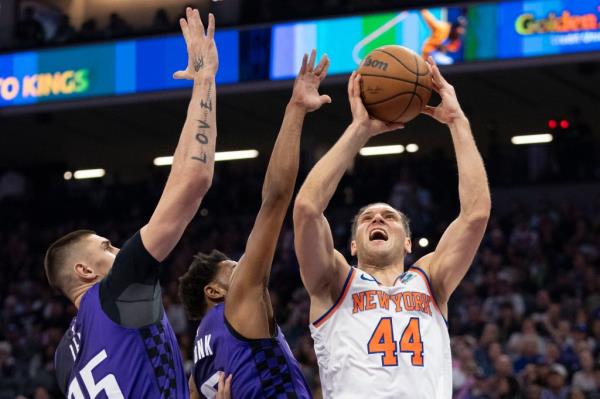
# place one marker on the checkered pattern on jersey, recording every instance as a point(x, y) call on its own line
point(161, 357)
point(273, 370)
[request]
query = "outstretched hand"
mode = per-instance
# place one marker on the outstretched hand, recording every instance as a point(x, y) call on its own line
point(306, 86)
point(224, 387)
point(371, 126)
point(201, 47)
point(449, 109)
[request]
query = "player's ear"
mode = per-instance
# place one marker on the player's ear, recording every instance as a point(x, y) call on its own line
point(353, 247)
point(84, 272)
point(213, 292)
point(408, 245)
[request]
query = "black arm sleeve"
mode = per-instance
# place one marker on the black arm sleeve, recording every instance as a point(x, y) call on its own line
point(130, 294)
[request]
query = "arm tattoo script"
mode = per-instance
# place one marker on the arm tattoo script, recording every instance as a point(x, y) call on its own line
point(201, 136)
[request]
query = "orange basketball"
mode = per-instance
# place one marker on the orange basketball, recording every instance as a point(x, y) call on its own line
point(395, 85)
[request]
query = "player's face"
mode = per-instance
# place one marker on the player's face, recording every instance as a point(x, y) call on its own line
point(100, 255)
point(380, 234)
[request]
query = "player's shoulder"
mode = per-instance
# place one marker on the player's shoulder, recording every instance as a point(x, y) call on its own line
point(424, 262)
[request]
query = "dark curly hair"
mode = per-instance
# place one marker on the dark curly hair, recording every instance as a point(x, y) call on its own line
point(201, 272)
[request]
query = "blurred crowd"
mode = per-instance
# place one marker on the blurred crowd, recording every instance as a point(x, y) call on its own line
point(525, 323)
point(33, 30)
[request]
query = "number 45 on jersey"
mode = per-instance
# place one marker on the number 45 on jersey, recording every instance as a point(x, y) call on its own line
point(383, 341)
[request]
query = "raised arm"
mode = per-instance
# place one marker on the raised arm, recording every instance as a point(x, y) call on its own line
point(193, 162)
point(321, 267)
point(250, 280)
point(450, 261)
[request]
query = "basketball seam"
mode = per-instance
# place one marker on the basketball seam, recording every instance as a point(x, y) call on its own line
point(402, 63)
point(416, 83)
point(390, 98)
point(401, 80)
point(397, 95)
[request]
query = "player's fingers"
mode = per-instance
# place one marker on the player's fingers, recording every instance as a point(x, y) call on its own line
point(321, 65)
point(436, 72)
point(303, 67)
point(211, 26)
point(185, 30)
point(356, 88)
point(325, 69)
point(395, 126)
point(227, 389)
point(428, 110)
point(435, 86)
point(323, 74)
point(191, 22)
point(199, 22)
point(221, 385)
point(325, 99)
point(311, 60)
point(351, 84)
point(180, 75)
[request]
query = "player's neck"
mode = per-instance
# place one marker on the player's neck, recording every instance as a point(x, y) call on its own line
point(77, 294)
point(386, 274)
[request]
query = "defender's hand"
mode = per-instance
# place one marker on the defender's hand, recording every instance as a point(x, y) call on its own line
point(360, 116)
point(449, 109)
point(224, 387)
point(201, 47)
point(306, 86)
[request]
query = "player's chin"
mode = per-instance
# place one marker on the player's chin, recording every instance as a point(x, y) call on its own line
point(379, 247)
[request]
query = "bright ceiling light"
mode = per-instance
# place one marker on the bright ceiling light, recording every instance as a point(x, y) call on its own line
point(235, 155)
point(423, 242)
point(382, 150)
point(412, 148)
point(87, 174)
point(219, 156)
point(532, 139)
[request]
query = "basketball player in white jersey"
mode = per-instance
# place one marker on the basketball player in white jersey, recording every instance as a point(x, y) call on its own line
point(380, 328)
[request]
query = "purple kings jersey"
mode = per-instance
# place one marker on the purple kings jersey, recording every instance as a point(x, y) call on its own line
point(99, 358)
point(261, 368)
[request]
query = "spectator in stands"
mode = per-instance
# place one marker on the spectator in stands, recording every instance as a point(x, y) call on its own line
point(65, 33)
point(556, 383)
point(29, 31)
point(117, 27)
point(585, 379)
point(161, 23)
point(89, 31)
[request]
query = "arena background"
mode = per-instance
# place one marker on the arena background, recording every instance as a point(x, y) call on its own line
point(525, 323)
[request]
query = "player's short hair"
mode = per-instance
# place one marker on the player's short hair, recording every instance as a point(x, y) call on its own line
point(403, 218)
point(55, 260)
point(202, 271)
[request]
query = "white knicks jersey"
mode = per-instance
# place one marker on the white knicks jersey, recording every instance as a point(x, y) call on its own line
point(384, 342)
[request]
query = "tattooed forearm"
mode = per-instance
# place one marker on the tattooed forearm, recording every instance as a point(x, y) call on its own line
point(203, 125)
point(206, 104)
point(198, 63)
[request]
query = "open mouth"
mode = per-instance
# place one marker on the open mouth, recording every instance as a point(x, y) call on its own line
point(378, 234)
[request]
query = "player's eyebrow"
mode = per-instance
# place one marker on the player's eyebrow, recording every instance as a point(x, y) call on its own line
point(105, 244)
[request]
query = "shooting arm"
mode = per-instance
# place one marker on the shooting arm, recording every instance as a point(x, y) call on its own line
point(458, 245)
point(320, 265)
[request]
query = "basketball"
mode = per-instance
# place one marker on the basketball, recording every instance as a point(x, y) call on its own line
point(395, 85)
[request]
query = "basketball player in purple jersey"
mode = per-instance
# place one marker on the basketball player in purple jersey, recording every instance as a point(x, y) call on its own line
point(238, 335)
point(120, 344)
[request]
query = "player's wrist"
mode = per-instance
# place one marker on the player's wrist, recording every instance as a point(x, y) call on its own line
point(296, 105)
point(458, 120)
point(204, 74)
